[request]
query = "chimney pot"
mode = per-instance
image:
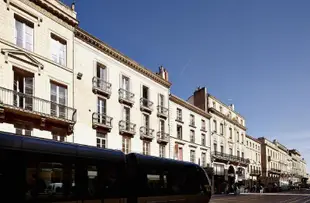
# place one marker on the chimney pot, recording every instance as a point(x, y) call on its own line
point(73, 6)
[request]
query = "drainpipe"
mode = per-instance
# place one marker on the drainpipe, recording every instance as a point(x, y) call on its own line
point(169, 127)
point(73, 78)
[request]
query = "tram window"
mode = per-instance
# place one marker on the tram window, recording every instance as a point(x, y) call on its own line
point(92, 174)
point(185, 182)
point(49, 180)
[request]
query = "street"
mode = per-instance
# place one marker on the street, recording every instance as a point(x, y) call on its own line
point(264, 198)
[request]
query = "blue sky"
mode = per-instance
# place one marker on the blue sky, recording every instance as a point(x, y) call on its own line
point(255, 53)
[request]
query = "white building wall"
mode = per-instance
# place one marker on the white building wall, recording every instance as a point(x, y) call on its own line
point(86, 58)
point(51, 71)
point(185, 142)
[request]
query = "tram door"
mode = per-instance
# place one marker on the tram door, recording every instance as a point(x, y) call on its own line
point(12, 176)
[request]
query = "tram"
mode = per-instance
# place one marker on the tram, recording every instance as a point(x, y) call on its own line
point(41, 170)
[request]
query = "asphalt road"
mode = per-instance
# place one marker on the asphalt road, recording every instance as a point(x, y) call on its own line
point(263, 198)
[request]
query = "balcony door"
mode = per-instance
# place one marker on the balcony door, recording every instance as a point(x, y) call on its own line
point(59, 100)
point(162, 128)
point(126, 117)
point(145, 95)
point(23, 89)
point(101, 76)
point(101, 110)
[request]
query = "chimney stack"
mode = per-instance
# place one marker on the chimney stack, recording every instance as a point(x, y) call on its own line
point(163, 73)
point(232, 107)
point(73, 6)
point(200, 98)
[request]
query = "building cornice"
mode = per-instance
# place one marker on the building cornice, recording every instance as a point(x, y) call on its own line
point(189, 106)
point(216, 112)
point(219, 101)
point(46, 5)
point(254, 139)
point(105, 48)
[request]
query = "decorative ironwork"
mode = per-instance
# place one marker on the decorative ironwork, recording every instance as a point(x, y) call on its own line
point(29, 103)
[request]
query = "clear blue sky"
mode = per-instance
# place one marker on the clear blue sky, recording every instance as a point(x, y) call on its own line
point(256, 53)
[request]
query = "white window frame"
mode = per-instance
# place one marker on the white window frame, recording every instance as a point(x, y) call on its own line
point(126, 144)
point(56, 43)
point(193, 156)
point(162, 151)
point(146, 147)
point(101, 137)
point(24, 22)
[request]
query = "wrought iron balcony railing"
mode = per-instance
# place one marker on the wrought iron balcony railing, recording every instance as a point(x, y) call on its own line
point(126, 96)
point(31, 104)
point(162, 137)
point(146, 132)
point(100, 85)
point(146, 104)
point(127, 127)
point(102, 120)
point(230, 157)
point(162, 111)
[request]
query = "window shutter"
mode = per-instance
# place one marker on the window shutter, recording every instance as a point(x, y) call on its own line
point(54, 49)
point(29, 85)
point(62, 53)
point(29, 38)
point(19, 33)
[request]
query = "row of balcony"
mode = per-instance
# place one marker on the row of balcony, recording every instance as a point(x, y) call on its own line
point(16, 106)
point(103, 87)
point(126, 127)
point(229, 157)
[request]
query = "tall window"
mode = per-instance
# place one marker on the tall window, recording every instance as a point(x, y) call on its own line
point(214, 126)
point(215, 147)
point(101, 139)
point(23, 33)
point(162, 126)
point(125, 83)
point(146, 148)
point(161, 100)
point(203, 159)
point(242, 155)
point(146, 120)
point(101, 110)
point(238, 136)
point(101, 72)
point(230, 133)
point(145, 93)
point(192, 120)
point(126, 142)
point(126, 117)
point(238, 153)
point(179, 114)
point(59, 50)
point(23, 84)
point(242, 138)
point(203, 124)
point(192, 156)
point(179, 132)
point(222, 149)
point(59, 99)
point(203, 139)
point(192, 136)
point(162, 150)
point(222, 129)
